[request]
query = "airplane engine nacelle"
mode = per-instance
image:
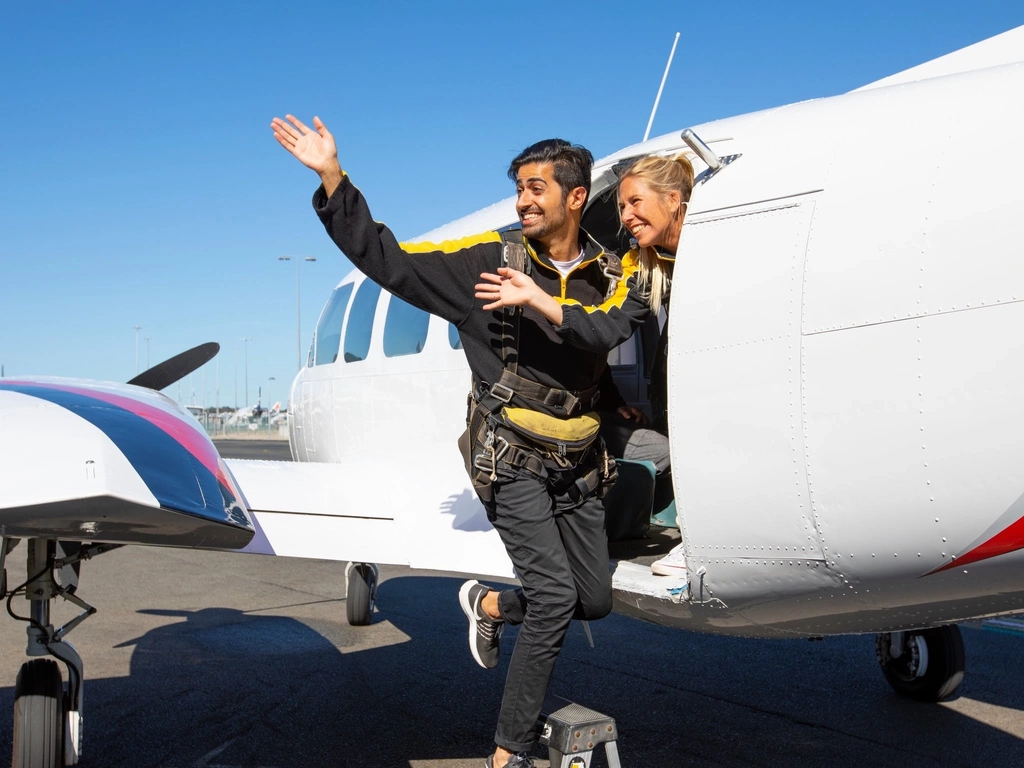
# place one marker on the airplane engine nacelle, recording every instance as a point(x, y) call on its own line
point(846, 362)
point(127, 466)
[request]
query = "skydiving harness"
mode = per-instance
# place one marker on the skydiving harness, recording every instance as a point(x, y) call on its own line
point(554, 448)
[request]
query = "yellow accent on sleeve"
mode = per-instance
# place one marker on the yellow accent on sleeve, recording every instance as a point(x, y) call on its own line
point(630, 266)
point(451, 246)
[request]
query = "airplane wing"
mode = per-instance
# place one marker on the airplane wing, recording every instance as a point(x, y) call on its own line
point(307, 510)
point(349, 511)
point(117, 463)
point(90, 461)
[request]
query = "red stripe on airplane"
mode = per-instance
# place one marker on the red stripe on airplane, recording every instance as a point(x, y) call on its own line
point(1008, 540)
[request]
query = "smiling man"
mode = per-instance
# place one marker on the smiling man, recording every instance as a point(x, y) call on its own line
point(536, 350)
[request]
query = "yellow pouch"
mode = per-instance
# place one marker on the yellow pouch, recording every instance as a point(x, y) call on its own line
point(559, 435)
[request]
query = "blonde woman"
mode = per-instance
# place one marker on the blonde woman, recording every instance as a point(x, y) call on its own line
point(653, 196)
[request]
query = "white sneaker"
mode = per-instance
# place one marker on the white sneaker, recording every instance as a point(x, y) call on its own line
point(672, 564)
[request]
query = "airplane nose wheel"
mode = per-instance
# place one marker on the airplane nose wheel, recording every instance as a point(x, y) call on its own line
point(48, 714)
point(925, 664)
point(39, 716)
point(361, 592)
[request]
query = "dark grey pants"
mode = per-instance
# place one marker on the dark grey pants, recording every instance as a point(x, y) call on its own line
point(561, 560)
point(626, 439)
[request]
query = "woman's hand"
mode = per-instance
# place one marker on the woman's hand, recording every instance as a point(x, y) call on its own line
point(511, 288)
point(315, 149)
point(629, 413)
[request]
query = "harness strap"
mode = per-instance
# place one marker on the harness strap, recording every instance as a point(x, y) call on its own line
point(485, 443)
point(510, 385)
point(499, 448)
point(514, 255)
point(521, 458)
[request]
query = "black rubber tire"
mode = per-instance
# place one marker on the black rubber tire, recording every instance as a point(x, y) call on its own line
point(38, 716)
point(359, 600)
point(945, 670)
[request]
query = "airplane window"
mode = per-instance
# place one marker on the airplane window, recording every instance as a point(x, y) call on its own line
point(360, 322)
point(624, 354)
point(327, 338)
point(405, 329)
point(453, 337)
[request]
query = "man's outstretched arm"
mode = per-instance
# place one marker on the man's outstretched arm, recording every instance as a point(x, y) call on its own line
point(315, 149)
point(437, 278)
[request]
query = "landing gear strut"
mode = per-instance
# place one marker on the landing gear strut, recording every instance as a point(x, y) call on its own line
point(923, 664)
point(48, 716)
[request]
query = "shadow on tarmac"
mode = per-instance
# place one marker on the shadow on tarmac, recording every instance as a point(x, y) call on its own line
point(221, 687)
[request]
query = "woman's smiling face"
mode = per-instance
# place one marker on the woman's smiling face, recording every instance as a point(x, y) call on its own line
point(651, 219)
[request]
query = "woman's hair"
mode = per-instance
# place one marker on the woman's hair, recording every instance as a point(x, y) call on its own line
point(663, 175)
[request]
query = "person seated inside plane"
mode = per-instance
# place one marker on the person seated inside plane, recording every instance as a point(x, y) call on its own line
point(627, 430)
point(653, 196)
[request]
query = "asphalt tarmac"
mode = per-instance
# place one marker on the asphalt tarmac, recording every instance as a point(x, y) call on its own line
point(200, 660)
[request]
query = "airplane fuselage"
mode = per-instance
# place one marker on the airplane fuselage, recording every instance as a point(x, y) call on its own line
point(846, 324)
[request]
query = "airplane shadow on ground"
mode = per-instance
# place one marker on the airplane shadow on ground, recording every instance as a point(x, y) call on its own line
point(223, 687)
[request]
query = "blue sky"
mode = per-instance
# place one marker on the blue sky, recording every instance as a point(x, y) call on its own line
point(141, 184)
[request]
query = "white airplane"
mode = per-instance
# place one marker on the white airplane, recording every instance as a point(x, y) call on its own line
point(847, 330)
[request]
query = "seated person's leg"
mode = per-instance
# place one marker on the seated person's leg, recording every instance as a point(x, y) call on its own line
point(647, 445)
point(627, 438)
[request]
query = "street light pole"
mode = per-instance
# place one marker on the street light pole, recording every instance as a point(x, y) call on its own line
point(247, 339)
point(298, 307)
point(270, 400)
point(137, 329)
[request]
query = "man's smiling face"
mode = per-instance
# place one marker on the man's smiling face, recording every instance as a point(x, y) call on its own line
point(540, 202)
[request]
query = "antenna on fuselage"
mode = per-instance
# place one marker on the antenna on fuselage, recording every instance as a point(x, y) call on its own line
point(661, 87)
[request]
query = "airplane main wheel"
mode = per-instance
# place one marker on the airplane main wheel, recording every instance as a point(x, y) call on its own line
point(362, 584)
point(931, 666)
point(38, 716)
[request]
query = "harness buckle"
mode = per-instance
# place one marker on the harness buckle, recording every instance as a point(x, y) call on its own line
point(502, 446)
point(498, 390)
point(484, 463)
point(613, 282)
point(495, 448)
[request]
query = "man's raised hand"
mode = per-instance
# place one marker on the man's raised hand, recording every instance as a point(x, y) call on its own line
point(313, 148)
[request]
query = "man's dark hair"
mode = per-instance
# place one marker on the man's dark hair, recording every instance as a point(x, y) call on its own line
point(572, 163)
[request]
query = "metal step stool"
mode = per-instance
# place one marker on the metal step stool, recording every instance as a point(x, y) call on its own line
point(571, 732)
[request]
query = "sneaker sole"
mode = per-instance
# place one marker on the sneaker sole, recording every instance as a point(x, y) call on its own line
point(467, 608)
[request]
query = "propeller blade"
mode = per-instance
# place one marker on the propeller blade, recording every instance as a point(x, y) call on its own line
point(176, 368)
